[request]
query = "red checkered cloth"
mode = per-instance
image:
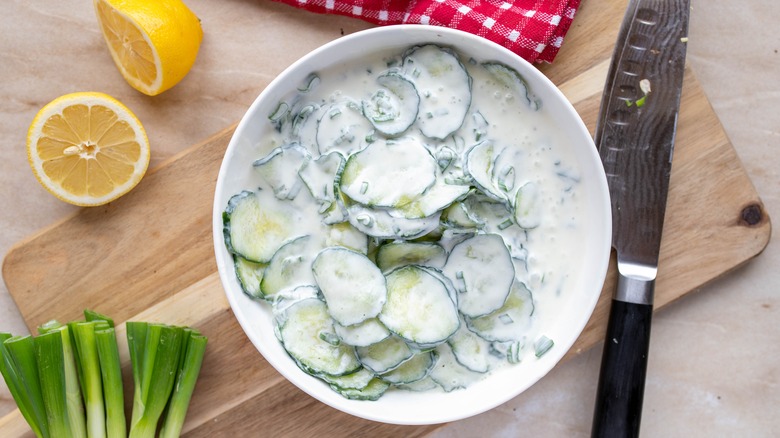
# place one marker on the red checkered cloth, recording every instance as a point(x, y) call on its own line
point(534, 29)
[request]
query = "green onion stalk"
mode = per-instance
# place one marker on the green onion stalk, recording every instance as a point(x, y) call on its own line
point(155, 368)
point(75, 405)
point(67, 381)
point(92, 384)
point(20, 372)
point(189, 368)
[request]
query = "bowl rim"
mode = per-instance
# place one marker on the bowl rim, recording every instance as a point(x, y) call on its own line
point(285, 365)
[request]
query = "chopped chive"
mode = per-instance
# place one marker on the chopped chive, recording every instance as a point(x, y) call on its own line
point(279, 112)
point(309, 83)
point(543, 345)
point(506, 224)
point(330, 338)
point(506, 319)
point(513, 352)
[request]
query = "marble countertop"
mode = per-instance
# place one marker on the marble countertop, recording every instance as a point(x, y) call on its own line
point(714, 367)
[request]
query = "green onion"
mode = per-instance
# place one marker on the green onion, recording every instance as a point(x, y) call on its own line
point(92, 384)
point(48, 374)
point(543, 345)
point(75, 405)
point(51, 373)
point(156, 371)
point(17, 364)
point(189, 368)
point(91, 315)
point(111, 373)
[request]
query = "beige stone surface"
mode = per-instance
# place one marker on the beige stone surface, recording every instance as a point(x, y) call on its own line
point(715, 355)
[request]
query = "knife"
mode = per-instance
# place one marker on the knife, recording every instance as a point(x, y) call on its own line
point(635, 137)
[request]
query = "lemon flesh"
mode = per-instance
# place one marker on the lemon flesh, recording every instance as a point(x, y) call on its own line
point(87, 148)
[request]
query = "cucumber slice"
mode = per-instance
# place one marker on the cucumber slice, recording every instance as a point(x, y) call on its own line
point(371, 392)
point(414, 369)
point(300, 329)
point(528, 213)
point(362, 334)
point(438, 197)
point(457, 216)
point(470, 350)
point(320, 176)
point(393, 108)
point(482, 271)
point(419, 307)
point(255, 225)
point(384, 355)
point(357, 380)
point(450, 374)
point(290, 267)
point(511, 322)
point(444, 87)
point(280, 169)
point(491, 215)
point(379, 223)
point(354, 288)
point(424, 384)
point(397, 254)
point(509, 79)
point(372, 176)
point(249, 275)
point(286, 298)
point(479, 165)
point(344, 234)
point(342, 128)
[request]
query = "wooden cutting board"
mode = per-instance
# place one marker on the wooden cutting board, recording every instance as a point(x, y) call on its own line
point(149, 255)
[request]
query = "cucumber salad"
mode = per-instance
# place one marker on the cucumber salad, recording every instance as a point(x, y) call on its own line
point(406, 220)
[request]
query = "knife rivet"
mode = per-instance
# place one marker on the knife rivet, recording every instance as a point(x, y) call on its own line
point(751, 215)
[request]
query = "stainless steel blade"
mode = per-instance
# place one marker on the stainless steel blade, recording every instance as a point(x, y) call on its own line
point(635, 136)
point(636, 128)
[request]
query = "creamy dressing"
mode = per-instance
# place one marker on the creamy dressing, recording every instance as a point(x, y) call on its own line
point(527, 155)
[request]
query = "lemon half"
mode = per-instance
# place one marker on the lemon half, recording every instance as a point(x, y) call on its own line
point(87, 148)
point(153, 43)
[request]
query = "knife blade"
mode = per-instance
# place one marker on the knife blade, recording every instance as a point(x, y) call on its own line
point(635, 136)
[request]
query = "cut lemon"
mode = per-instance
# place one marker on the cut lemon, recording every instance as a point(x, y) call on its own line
point(154, 43)
point(87, 148)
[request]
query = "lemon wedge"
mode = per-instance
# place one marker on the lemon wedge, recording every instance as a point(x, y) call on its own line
point(87, 148)
point(154, 43)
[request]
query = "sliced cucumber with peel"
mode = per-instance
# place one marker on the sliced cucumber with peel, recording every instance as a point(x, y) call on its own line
point(393, 108)
point(290, 267)
point(511, 321)
point(255, 225)
point(354, 288)
point(363, 333)
point(419, 308)
point(250, 275)
point(385, 355)
point(279, 169)
point(482, 272)
point(397, 254)
point(369, 180)
point(444, 87)
point(300, 328)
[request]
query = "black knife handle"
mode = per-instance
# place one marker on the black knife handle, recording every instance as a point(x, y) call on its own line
point(623, 368)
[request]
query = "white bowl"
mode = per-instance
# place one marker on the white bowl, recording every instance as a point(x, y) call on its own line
point(573, 309)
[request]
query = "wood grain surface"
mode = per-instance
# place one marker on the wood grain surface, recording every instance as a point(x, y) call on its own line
point(149, 255)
